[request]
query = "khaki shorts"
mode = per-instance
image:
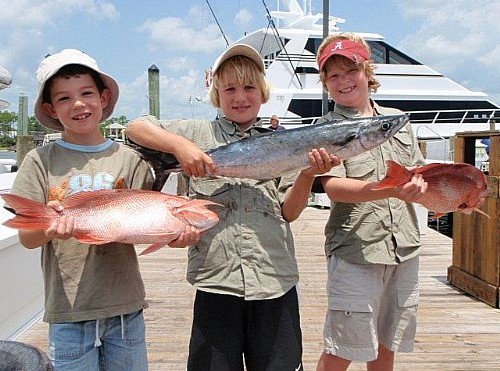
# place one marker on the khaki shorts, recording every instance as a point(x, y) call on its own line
point(370, 304)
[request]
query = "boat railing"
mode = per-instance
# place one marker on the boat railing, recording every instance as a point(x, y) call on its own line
point(455, 116)
point(485, 116)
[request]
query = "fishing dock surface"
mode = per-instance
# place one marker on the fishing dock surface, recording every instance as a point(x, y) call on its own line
point(455, 331)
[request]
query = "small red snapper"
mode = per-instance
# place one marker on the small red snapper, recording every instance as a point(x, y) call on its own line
point(451, 187)
point(118, 215)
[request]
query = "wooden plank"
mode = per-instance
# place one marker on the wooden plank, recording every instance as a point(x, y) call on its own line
point(455, 330)
point(474, 286)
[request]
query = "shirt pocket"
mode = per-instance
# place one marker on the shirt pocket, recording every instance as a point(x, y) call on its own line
point(403, 147)
point(362, 167)
point(209, 188)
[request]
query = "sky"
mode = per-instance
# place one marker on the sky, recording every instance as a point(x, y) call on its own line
point(458, 38)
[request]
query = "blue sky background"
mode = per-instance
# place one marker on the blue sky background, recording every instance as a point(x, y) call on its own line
point(458, 38)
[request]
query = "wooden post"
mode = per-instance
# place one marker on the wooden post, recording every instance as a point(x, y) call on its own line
point(24, 142)
point(475, 265)
point(154, 91)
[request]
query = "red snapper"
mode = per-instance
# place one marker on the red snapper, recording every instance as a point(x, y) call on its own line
point(118, 215)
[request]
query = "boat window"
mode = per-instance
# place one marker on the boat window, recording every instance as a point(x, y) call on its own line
point(312, 45)
point(269, 58)
point(386, 54)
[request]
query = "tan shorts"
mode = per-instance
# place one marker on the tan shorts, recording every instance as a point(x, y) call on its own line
point(370, 304)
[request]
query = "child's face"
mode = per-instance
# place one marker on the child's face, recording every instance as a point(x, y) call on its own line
point(239, 102)
point(78, 105)
point(347, 83)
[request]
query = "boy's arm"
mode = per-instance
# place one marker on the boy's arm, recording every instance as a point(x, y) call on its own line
point(61, 229)
point(353, 190)
point(297, 195)
point(193, 160)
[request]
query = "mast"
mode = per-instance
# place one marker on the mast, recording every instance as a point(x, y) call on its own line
point(326, 16)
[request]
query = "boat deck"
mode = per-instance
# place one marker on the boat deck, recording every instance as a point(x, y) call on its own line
point(455, 331)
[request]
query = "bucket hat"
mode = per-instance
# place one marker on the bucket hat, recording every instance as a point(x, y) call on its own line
point(53, 63)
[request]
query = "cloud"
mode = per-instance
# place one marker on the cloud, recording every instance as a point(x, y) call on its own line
point(456, 36)
point(179, 96)
point(243, 18)
point(182, 34)
point(34, 13)
point(177, 35)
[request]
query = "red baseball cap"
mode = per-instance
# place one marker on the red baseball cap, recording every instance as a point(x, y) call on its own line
point(353, 50)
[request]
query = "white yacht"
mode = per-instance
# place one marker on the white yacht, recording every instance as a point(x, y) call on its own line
point(21, 283)
point(439, 107)
point(438, 104)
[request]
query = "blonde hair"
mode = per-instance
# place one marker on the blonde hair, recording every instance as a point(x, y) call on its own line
point(245, 71)
point(368, 66)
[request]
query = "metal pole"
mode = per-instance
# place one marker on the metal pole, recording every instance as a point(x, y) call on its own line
point(326, 15)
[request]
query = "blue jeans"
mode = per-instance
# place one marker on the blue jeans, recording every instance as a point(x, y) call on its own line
point(114, 343)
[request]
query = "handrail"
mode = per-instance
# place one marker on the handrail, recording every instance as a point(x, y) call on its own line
point(431, 117)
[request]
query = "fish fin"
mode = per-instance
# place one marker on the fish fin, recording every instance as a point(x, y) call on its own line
point(199, 202)
point(396, 175)
point(94, 198)
point(30, 214)
point(482, 212)
point(194, 213)
point(86, 237)
point(437, 215)
point(152, 248)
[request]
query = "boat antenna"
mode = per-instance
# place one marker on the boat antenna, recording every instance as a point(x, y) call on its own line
point(218, 24)
point(278, 38)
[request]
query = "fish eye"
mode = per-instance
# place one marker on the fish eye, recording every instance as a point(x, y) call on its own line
point(350, 138)
point(385, 126)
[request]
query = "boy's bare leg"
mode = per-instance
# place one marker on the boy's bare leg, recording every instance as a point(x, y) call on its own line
point(384, 361)
point(328, 362)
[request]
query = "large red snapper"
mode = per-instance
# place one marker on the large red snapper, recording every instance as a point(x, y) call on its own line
point(451, 187)
point(118, 215)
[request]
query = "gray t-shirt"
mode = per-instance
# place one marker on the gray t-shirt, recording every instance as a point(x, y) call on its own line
point(82, 281)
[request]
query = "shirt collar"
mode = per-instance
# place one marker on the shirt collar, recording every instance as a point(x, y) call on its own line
point(351, 112)
point(232, 128)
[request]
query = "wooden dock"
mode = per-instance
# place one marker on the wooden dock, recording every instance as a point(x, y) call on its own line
point(455, 331)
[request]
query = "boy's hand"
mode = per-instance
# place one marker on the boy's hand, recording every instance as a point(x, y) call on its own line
point(321, 162)
point(61, 228)
point(189, 236)
point(194, 161)
point(412, 191)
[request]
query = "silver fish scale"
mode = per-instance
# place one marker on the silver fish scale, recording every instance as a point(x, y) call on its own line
point(270, 155)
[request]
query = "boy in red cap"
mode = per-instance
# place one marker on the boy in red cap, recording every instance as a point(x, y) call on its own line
point(372, 237)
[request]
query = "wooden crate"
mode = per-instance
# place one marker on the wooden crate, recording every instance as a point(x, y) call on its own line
point(475, 265)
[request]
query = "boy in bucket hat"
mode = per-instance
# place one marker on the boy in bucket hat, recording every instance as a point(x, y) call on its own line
point(245, 272)
point(372, 237)
point(94, 295)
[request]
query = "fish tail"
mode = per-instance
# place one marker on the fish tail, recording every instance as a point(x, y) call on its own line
point(30, 223)
point(396, 175)
point(30, 214)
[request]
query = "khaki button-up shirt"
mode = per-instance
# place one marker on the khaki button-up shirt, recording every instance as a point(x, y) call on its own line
point(250, 253)
point(382, 231)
